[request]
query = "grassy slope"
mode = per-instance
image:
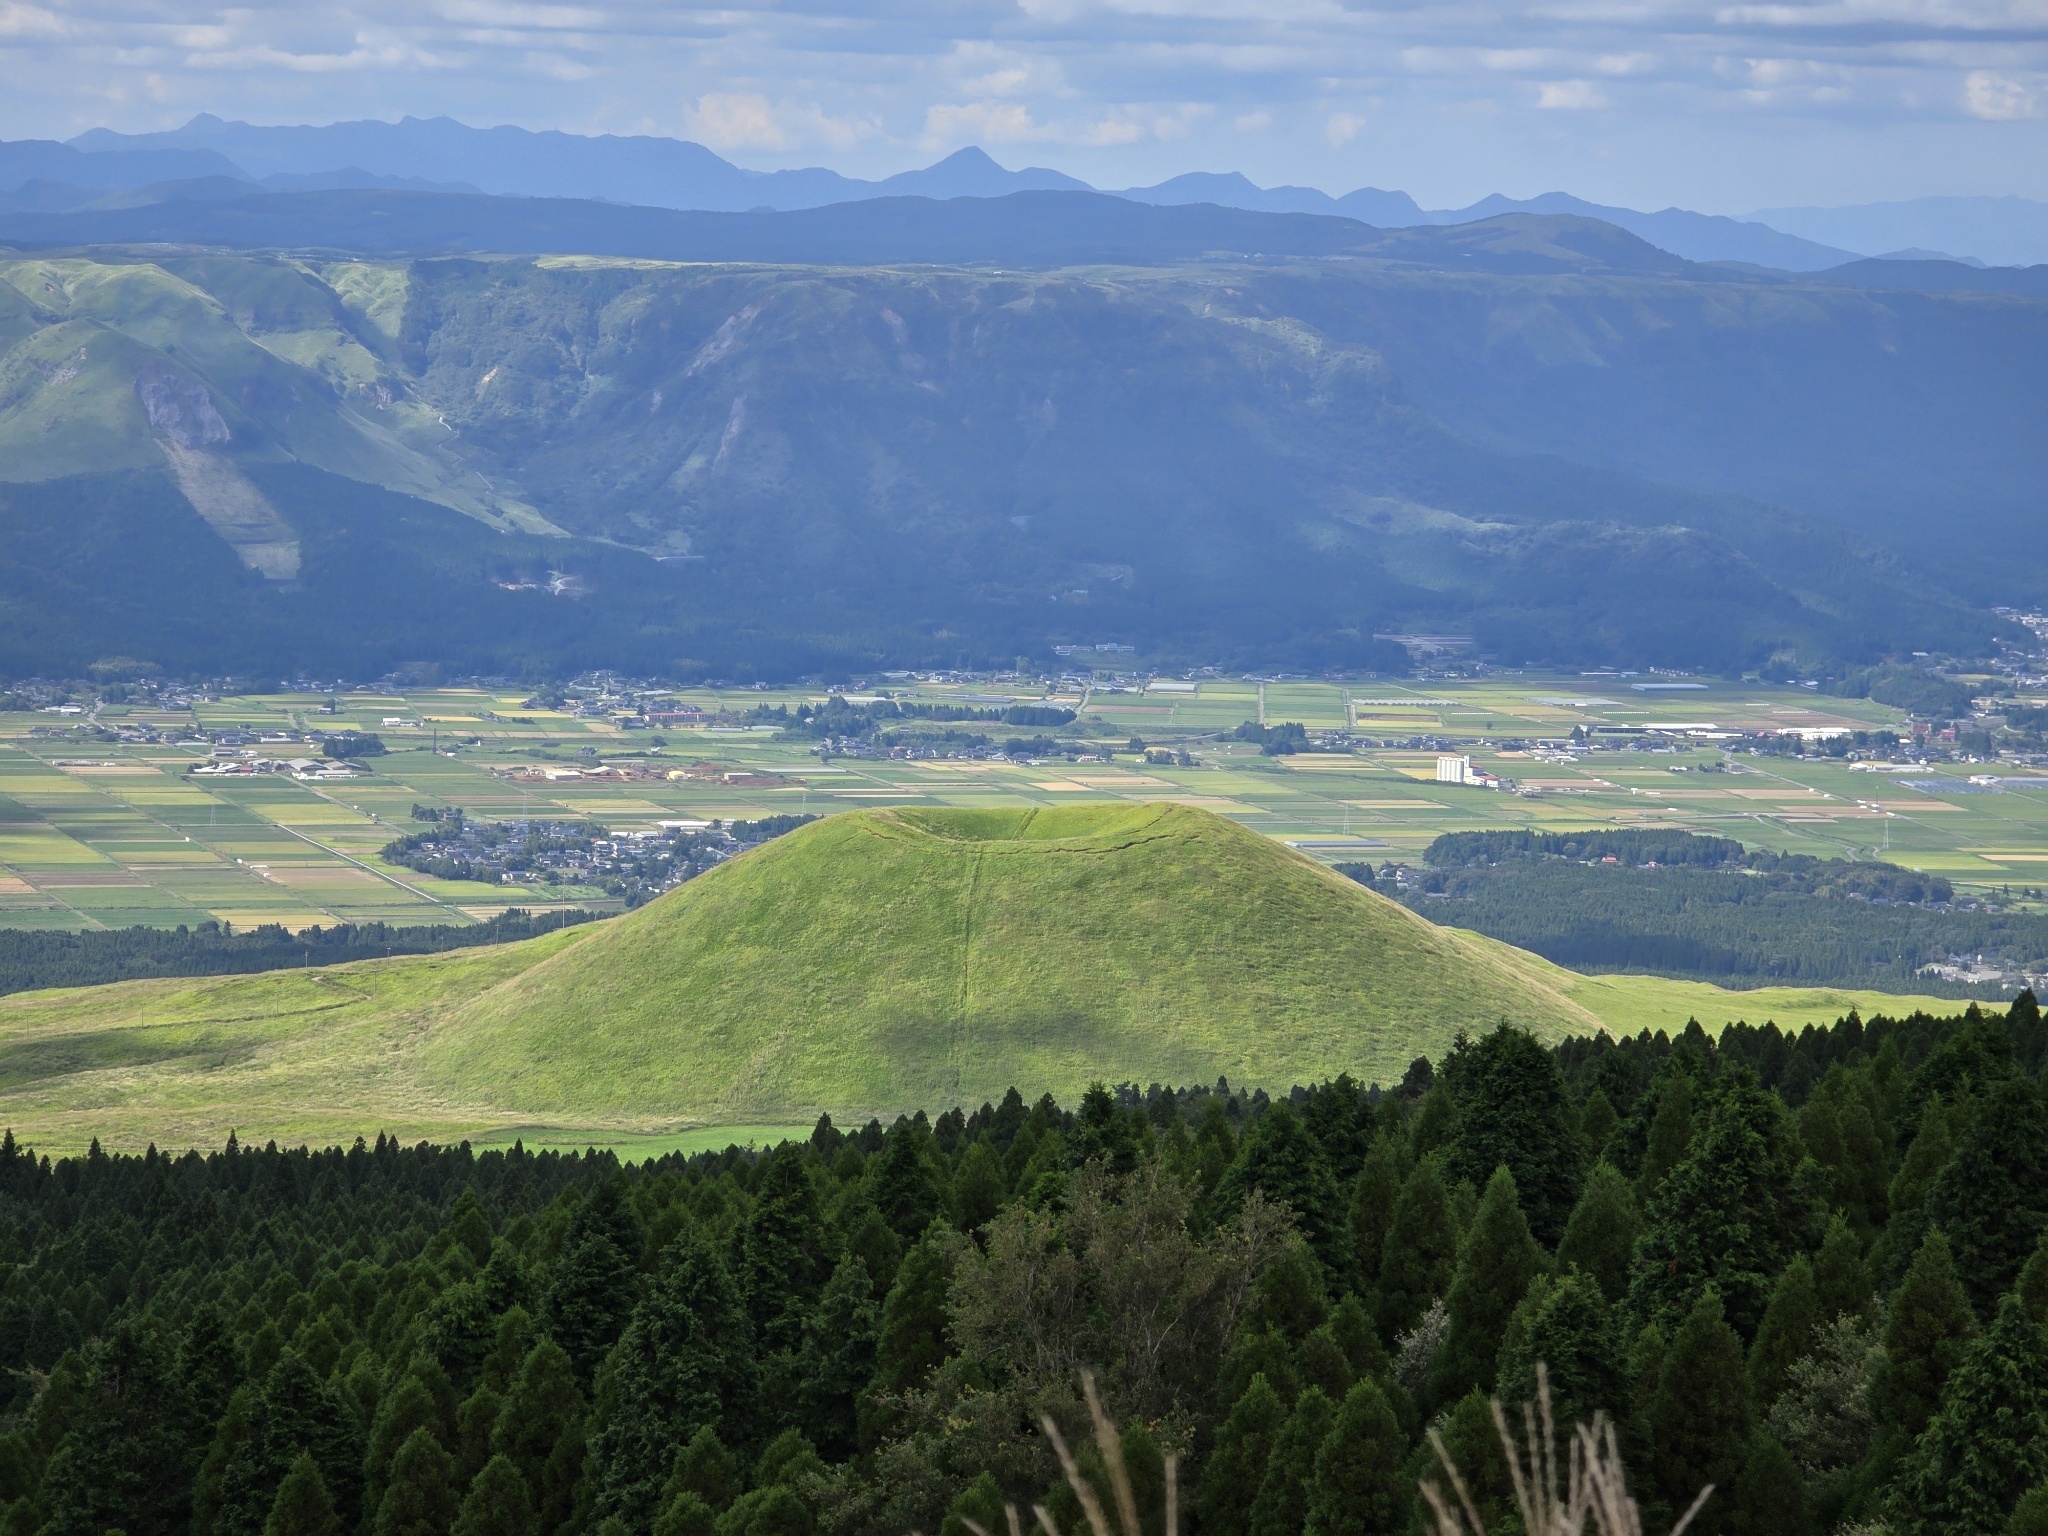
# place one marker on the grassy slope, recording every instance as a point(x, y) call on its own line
point(862, 965)
point(901, 957)
point(267, 337)
point(314, 1055)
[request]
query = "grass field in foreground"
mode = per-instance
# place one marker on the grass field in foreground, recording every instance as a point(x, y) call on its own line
point(679, 1021)
point(634, 1148)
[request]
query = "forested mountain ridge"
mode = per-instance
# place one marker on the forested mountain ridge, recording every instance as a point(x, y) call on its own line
point(1807, 1270)
point(1538, 431)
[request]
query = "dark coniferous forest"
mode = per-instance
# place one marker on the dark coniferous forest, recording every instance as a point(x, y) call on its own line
point(31, 958)
point(1674, 903)
point(1808, 1270)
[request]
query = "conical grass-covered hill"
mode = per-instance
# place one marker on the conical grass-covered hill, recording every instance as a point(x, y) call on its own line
point(874, 963)
point(887, 958)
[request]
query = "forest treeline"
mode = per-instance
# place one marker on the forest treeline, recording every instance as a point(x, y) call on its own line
point(836, 717)
point(31, 958)
point(1807, 1269)
point(1673, 903)
point(1668, 847)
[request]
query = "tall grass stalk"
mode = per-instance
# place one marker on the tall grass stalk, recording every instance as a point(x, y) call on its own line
point(1110, 1447)
point(1557, 1496)
point(1594, 1486)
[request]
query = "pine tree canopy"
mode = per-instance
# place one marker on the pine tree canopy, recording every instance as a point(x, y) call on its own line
point(302, 1506)
point(1244, 1447)
point(1727, 1215)
point(1420, 1254)
point(684, 1362)
point(1699, 1415)
point(1992, 1199)
point(1988, 1442)
point(1831, 1306)
point(1600, 1236)
point(1373, 1195)
point(1786, 1333)
point(1570, 1328)
point(1926, 1329)
point(1279, 1158)
point(1357, 1488)
point(1495, 1265)
point(1511, 1113)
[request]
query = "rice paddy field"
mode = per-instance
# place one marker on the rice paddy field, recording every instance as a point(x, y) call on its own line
point(100, 834)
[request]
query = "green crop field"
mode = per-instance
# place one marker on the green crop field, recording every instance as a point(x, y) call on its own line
point(876, 963)
point(98, 834)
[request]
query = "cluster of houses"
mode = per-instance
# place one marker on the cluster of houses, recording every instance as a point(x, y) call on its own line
point(308, 768)
point(238, 754)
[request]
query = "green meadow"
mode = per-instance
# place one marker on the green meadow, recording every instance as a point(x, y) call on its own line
point(870, 964)
point(100, 834)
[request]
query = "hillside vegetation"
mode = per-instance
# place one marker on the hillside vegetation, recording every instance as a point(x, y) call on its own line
point(228, 358)
point(1809, 1271)
point(1681, 904)
point(865, 963)
point(906, 956)
point(1567, 449)
point(34, 959)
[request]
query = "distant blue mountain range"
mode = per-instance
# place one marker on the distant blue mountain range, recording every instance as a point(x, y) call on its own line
point(439, 154)
point(1695, 236)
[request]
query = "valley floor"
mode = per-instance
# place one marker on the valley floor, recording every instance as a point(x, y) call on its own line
point(103, 833)
point(96, 832)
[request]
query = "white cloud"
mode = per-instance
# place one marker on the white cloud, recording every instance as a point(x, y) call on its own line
point(740, 120)
point(555, 67)
point(731, 120)
point(1111, 131)
point(368, 54)
point(24, 22)
point(1053, 11)
point(1517, 60)
point(840, 133)
point(509, 16)
point(1569, 96)
point(1340, 128)
point(1007, 122)
point(989, 122)
point(1999, 98)
point(983, 69)
point(1180, 121)
point(1253, 122)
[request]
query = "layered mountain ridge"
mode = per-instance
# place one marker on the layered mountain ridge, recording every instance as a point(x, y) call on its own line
point(441, 154)
point(376, 426)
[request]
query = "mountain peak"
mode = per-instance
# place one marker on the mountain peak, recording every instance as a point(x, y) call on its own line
point(970, 172)
point(1233, 179)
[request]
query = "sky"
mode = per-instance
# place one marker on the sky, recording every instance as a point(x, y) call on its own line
point(1719, 105)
